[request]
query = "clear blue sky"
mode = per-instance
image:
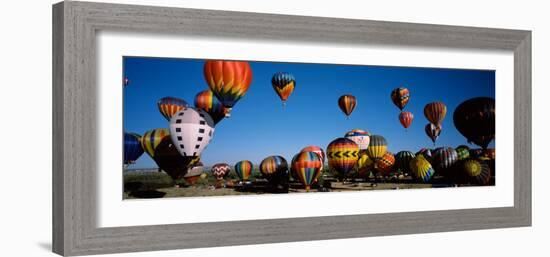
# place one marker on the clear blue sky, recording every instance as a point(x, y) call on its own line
point(259, 126)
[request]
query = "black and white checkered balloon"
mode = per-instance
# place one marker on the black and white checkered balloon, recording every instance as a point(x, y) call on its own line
point(191, 130)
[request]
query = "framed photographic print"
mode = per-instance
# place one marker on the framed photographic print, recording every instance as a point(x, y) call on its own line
point(183, 128)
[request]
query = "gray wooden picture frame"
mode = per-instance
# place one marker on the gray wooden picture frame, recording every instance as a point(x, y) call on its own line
point(75, 25)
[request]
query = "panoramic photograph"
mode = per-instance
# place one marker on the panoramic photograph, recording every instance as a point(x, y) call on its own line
point(197, 128)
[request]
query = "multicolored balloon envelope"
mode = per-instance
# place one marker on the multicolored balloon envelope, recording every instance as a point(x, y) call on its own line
point(318, 150)
point(406, 119)
point(421, 169)
point(191, 131)
point(207, 101)
point(228, 80)
point(132, 147)
point(342, 155)
point(435, 112)
point(347, 104)
point(168, 106)
point(283, 83)
point(220, 170)
point(477, 172)
point(377, 147)
point(307, 167)
point(432, 131)
point(152, 138)
point(463, 152)
point(400, 97)
point(475, 120)
point(170, 161)
point(444, 158)
point(360, 137)
point(427, 153)
point(275, 169)
point(402, 160)
point(244, 169)
point(385, 164)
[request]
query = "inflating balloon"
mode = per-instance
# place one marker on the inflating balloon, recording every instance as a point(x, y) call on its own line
point(490, 153)
point(444, 158)
point(463, 152)
point(283, 83)
point(132, 147)
point(432, 131)
point(228, 80)
point(275, 169)
point(385, 164)
point(364, 164)
point(168, 106)
point(400, 97)
point(342, 155)
point(152, 138)
point(170, 161)
point(476, 172)
point(406, 119)
point(207, 101)
point(421, 169)
point(435, 112)
point(244, 169)
point(347, 104)
point(475, 120)
point(191, 131)
point(377, 148)
point(360, 137)
point(220, 170)
point(307, 167)
point(402, 160)
point(427, 153)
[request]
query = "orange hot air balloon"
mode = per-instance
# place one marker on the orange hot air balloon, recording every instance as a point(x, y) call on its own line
point(406, 119)
point(283, 84)
point(228, 80)
point(347, 103)
point(435, 112)
point(168, 106)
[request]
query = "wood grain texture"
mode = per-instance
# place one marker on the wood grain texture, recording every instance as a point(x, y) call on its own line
point(74, 105)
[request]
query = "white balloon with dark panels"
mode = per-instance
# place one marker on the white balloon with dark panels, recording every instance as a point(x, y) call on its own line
point(191, 130)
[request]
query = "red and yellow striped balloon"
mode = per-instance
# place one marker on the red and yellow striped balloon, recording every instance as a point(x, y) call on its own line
point(347, 104)
point(228, 80)
point(168, 106)
point(207, 101)
point(342, 155)
point(385, 164)
point(435, 112)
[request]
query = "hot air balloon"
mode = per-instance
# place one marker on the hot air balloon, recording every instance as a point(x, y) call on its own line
point(243, 170)
point(169, 160)
point(307, 166)
point(400, 97)
point(283, 84)
point(435, 112)
point(444, 158)
point(476, 172)
point(364, 164)
point(385, 164)
point(207, 101)
point(360, 137)
point(463, 152)
point(152, 138)
point(402, 160)
point(228, 80)
point(191, 131)
point(377, 148)
point(275, 169)
point(475, 120)
point(490, 153)
point(318, 150)
point(347, 103)
point(132, 147)
point(421, 169)
point(342, 155)
point(194, 172)
point(433, 131)
point(220, 170)
point(126, 81)
point(406, 119)
point(427, 153)
point(168, 106)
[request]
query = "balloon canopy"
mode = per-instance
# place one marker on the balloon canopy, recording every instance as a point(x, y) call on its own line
point(475, 120)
